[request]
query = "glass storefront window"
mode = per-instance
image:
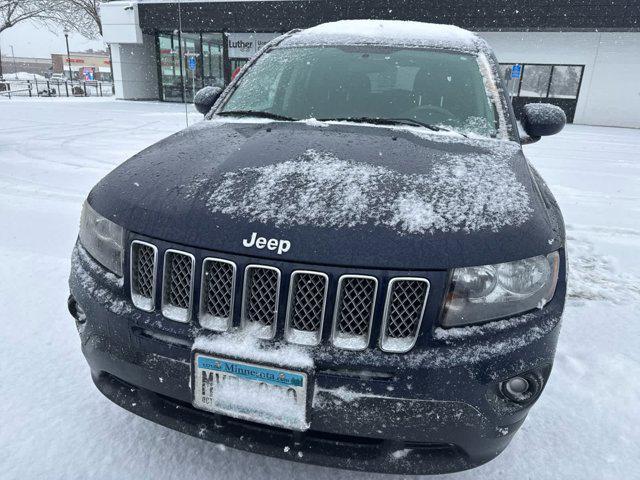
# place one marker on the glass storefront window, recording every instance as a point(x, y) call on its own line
point(565, 81)
point(170, 74)
point(535, 80)
point(191, 64)
point(212, 60)
point(512, 84)
point(194, 57)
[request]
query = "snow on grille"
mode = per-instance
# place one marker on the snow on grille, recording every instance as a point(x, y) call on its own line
point(178, 285)
point(143, 275)
point(261, 290)
point(216, 303)
point(354, 311)
point(404, 310)
point(307, 297)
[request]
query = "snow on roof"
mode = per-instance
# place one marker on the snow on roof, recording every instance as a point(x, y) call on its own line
point(386, 32)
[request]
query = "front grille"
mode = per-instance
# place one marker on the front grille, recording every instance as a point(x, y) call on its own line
point(307, 300)
point(261, 294)
point(351, 314)
point(144, 258)
point(406, 301)
point(354, 312)
point(177, 289)
point(218, 286)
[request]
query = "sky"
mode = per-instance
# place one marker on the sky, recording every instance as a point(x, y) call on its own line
point(33, 40)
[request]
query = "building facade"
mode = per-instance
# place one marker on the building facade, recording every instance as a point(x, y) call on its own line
point(583, 55)
point(83, 65)
point(36, 66)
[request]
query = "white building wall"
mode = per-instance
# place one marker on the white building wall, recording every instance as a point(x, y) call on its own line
point(135, 71)
point(610, 92)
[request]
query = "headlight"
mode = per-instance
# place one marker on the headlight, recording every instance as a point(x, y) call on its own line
point(489, 292)
point(102, 238)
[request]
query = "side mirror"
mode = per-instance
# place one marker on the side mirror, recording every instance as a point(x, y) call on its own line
point(540, 120)
point(205, 98)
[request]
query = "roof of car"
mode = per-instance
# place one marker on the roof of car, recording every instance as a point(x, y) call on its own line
point(386, 33)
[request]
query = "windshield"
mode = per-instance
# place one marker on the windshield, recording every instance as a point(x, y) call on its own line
point(432, 88)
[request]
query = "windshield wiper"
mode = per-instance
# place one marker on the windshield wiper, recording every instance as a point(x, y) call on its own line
point(411, 121)
point(256, 113)
point(381, 121)
point(390, 121)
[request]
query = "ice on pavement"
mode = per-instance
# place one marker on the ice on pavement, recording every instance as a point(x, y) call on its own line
point(56, 425)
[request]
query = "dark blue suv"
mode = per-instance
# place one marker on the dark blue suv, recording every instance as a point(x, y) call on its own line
point(349, 262)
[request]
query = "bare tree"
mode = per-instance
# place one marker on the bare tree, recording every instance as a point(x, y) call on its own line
point(82, 16)
point(13, 12)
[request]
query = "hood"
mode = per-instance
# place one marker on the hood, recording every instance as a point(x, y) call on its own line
point(337, 194)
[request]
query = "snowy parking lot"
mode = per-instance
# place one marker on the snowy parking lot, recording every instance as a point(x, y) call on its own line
point(55, 424)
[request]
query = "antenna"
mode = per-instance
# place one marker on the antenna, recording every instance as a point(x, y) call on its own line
point(184, 91)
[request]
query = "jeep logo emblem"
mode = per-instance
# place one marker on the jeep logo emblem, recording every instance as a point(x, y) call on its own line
point(273, 244)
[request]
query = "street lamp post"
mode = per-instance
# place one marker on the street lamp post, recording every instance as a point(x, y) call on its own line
point(15, 68)
point(66, 39)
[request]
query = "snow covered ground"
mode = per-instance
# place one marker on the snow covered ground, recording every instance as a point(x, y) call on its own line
point(54, 423)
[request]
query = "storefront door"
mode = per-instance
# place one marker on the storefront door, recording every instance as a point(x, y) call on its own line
point(188, 62)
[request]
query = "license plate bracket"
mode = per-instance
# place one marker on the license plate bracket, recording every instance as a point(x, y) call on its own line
point(250, 391)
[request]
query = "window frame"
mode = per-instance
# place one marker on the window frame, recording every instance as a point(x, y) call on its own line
point(553, 66)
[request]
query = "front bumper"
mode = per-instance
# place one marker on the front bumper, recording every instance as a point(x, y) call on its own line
point(432, 410)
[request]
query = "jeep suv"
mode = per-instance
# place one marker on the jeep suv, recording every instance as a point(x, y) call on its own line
point(349, 262)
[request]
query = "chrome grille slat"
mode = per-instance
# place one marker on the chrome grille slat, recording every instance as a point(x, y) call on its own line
point(404, 310)
point(261, 296)
point(217, 293)
point(177, 287)
point(353, 313)
point(144, 264)
point(306, 307)
point(355, 306)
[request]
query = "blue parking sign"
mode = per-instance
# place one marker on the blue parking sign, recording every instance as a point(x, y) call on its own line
point(192, 63)
point(516, 71)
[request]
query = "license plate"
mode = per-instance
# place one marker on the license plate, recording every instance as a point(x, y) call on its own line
point(247, 391)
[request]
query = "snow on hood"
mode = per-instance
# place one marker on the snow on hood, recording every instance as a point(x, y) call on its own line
point(386, 32)
point(461, 193)
point(393, 197)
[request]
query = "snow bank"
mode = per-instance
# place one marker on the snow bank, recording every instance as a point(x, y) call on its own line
point(596, 276)
point(468, 193)
point(24, 76)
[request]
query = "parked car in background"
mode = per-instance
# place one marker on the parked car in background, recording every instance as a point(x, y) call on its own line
point(349, 263)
